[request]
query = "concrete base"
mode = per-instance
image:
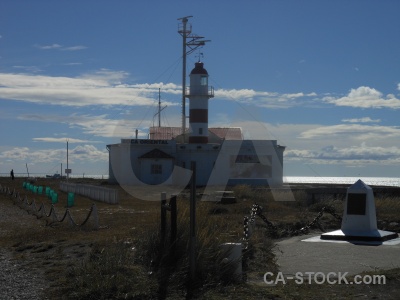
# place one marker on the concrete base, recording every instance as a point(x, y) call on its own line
point(375, 235)
point(308, 253)
point(317, 239)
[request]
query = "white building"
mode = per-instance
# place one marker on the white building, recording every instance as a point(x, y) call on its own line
point(222, 156)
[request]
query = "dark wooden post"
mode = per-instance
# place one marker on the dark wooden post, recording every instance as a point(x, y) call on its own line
point(192, 241)
point(163, 218)
point(172, 204)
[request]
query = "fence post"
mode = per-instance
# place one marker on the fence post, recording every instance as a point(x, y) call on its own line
point(163, 217)
point(172, 204)
point(192, 238)
point(95, 216)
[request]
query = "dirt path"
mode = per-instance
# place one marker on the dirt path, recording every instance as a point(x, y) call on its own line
point(34, 258)
point(19, 282)
point(17, 279)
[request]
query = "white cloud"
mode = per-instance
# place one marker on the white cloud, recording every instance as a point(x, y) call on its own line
point(107, 87)
point(74, 48)
point(353, 131)
point(46, 47)
point(344, 144)
point(17, 153)
point(100, 88)
point(238, 94)
point(362, 120)
point(92, 125)
point(88, 153)
point(351, 155)
point(62, 140)
point(29, 69)
point(80, 153)
point(264, 99)
point(106, 76)
point(60, 47)
point(73, 64)
point(366, 97)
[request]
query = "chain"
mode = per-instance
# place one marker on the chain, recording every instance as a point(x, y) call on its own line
point(314, 222)
point(332, 212)
point(41, 212)
point(256, 210)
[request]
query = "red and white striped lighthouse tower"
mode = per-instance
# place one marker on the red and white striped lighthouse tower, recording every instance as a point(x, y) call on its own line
point(198, 94)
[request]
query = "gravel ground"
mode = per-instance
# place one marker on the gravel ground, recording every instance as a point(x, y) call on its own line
point(17, 279)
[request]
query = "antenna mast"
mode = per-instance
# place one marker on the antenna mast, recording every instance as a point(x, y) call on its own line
point(159, 108)
point(194, 42)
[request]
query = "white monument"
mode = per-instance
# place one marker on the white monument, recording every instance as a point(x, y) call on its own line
point(359, 217)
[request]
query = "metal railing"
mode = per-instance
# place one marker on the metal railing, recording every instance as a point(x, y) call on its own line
point(98, 193)
point(201, 91)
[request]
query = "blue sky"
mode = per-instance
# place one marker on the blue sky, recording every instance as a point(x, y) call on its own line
point(321, 77)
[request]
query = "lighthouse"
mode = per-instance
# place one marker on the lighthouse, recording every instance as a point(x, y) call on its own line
point(199, 92)
point(222, 155)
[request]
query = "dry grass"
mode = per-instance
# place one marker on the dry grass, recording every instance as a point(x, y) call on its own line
point(124, 259)
point(388, 208)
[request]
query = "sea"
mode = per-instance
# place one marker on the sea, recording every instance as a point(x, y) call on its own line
point(378, 181)
point(44, 175)
point(381, 181)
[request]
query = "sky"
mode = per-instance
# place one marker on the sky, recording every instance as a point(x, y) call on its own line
point(320, 77)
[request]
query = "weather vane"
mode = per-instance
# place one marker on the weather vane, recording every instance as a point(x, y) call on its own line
point(200, 55)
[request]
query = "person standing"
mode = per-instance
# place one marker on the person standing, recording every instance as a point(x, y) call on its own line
point(12, 174)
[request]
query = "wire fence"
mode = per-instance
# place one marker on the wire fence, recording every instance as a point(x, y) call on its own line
point(51, 217)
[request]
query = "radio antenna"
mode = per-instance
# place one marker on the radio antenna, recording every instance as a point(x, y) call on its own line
point(191, 42)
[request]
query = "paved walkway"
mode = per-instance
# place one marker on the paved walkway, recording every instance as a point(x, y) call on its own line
point(295, 255)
